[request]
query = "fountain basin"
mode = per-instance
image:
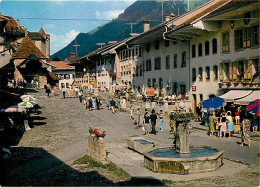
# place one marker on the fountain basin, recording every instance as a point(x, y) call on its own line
point(166, 160)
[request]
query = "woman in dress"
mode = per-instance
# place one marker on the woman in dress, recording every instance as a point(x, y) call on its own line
point(223, 125)
point(246, 132)
point(211, 125)
point(230, 125)
point(90, 106)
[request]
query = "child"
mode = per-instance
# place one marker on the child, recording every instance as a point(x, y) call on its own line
point(161, 120)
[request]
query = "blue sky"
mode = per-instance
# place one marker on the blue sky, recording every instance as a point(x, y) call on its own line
point(91, 13)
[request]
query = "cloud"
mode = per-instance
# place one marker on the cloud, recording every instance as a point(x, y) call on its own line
point(60, 41)
point(108, 15)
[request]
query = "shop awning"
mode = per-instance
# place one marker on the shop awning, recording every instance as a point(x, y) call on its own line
point(251, 97)
point(233, 95)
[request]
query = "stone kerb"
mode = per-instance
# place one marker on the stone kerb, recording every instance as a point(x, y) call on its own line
point(96, 148)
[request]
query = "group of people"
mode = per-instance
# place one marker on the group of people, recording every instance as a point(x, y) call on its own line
point(91, 103)
point(69, 92)
point(147, 121)
point(116, 104)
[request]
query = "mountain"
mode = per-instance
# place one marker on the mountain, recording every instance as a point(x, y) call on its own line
point(119, 28)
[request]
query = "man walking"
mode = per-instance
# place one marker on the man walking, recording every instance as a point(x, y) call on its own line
point(153, 118)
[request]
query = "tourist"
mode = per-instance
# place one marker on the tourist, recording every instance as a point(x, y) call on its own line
point(48, 90)
point(84, 103)
point(246, 132)
point(230, 125)
point(147, 124)
point(254, 123)
point(161, 120)
point(54, 90)
point(113, 104)
point(37, 85)
point(90, 104)
point(123, 105)
point(138, 117)
point(223, 125)
point(63, 92)
point(153, 118)
point(108, 103)
point(237, 116)
point(131, 112)
point(117, 104)
point(80, 96)
point(98, 103)
point(14, 82)
point(93, 103)
point(211, 124)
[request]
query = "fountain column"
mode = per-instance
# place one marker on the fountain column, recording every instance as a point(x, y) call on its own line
point(182, 137)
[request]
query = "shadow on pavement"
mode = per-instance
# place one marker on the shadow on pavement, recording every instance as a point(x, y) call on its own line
point(36, 167)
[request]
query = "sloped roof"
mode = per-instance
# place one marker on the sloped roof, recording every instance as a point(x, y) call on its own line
point(35, 36)
point(42, 32)
point(61, 65)
point(54, 77)
point(27, 48)
point(96, 51)
point(72, 58)
point(12, 26)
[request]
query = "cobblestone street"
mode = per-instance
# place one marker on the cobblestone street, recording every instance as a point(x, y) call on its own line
point(45, 154)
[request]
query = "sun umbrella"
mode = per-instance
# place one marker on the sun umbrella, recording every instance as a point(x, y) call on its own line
point(213, 103)
point(27, 104)
point(253, 107)
point(24, 96)
point(14, 108)
point(116, 84)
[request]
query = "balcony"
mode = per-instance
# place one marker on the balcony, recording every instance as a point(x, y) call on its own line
point(239, 84)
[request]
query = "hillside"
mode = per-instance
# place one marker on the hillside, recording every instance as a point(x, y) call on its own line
point(118, 29)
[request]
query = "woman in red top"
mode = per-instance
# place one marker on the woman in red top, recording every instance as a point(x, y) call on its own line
point(237, 116)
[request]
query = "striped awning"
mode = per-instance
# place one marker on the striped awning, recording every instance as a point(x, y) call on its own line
point(233, 95)
point(251, 97)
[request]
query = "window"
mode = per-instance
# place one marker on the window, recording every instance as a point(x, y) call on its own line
point(141, 70)
point(215, 71)
point(247, 37)
point(207, 48)
point(157, 44)
point(225, 42)
point(239, 39)
point(147, 48)
point(140, 51)
point(157, 63)
point(73, 76)
point(133, 52)
point(167, 62)
point(62, 85)
point(193, 74)
point(207, 70)
point(200, 49)
point(256, 68)
point(175, 61)
point(214, 46)
point(148, 65)
point(200, 74)
point(183, 59)
point(255, 35)
point(241, 68)
point(226, 70)
point(148, 83)
point(137, 71)
point(154, 83)
point(167, 43)
point(67, 85)
point(183, 89)
point(160, 83)
point(193, 51)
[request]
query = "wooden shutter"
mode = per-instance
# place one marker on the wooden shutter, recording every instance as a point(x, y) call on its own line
point(249, 74)
point(235, 72)
point(244, 37)
point(230, 70)
point(221, 71)
point(245, 69)
point(248, 43)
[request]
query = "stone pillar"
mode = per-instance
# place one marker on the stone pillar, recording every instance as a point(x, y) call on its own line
point(182, 139)
point(96, 148)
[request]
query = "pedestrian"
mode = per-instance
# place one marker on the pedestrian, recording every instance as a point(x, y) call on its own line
point(64, 92)
point(123, 105)
point(90, 104)
point(147, 124)
point(138, 117)
point(237, 116)
point(223, 125)
point(93, 103)
point(117, 104)
point(211, 125)
point(14, 83)
point(80, 96)
point(55, 90)
point(32, 83)
point(113, 104)
point(37, 85)
point(76, 91)
point(161, 120)
point(48, 90)
point(246, 132)
point(84, 103)
point(108, 103)
point(131, 112)
point(153, 118)
point(230, 125)
point(98, 103)
point(255, 123)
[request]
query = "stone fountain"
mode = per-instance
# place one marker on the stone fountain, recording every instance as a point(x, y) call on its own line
point(181, 158)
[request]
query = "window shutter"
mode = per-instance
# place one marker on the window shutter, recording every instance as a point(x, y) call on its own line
point(244, 37)
point(235, 70)
point(245, 69)
point(249, 74)
point(230, 70)
point(248, 43)
point(221, 71)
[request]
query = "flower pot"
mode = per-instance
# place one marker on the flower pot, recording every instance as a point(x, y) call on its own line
point(100, 138)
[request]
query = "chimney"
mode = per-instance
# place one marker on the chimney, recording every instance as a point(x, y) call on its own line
point(18, 23)
point(72, 54)
point(146, 25)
